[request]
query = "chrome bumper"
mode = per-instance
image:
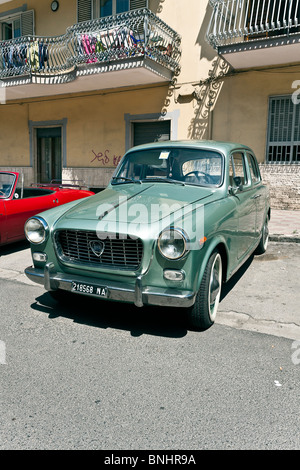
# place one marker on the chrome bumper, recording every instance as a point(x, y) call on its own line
point(139, 295)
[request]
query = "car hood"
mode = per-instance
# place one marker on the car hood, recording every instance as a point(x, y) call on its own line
point(141, 203)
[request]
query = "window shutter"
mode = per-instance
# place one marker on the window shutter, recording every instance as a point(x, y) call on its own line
point(147, 132)
point(136, 4)
point(27, 23)
point(84, 10)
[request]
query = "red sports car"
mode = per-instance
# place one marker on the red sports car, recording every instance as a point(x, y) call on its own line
point(17, 203)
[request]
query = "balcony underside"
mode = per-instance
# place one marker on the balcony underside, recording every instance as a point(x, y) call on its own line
point(262, 52)
point(136, 72)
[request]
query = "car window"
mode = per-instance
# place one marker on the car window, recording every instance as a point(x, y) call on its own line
point(187, 166)
point(254, 171)
point(7, 181)
point(237, 169)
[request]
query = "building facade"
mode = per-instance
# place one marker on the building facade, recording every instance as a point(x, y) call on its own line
point(81, 81)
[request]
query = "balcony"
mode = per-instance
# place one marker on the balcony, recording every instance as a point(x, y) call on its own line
point(255, 33)
point(129, 49)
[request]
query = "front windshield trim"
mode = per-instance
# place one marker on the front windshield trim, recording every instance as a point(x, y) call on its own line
point(6, 195)
point(167, 150)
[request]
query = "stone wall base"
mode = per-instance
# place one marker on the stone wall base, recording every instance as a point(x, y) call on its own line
point(284, 184)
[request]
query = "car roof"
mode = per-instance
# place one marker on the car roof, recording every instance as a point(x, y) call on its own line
point(220, 146)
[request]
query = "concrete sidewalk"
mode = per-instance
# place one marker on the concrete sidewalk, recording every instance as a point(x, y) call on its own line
point(284, 226)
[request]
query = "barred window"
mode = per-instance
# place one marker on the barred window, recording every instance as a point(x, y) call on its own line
point(283, 145)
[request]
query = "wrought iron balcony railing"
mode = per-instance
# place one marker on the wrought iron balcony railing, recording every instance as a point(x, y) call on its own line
point(235, 21)
point(121, 39)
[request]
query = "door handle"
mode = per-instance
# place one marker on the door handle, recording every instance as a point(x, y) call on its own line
point(256, 196)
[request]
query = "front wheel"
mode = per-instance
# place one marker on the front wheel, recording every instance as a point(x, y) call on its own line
point(203, 313)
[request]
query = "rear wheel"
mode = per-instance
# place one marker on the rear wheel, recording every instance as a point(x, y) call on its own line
point(203, 313)
point(263, 243)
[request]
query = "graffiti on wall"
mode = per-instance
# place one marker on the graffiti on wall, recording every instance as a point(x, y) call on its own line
point(106, 158)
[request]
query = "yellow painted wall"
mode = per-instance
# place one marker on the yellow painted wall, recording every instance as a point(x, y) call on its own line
point(241, 111)
point(95, 125)
point(14, 135)
point(47, 23)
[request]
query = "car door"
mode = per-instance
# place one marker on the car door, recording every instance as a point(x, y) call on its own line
point(2, 223)
point(259, 192)
point(246, 205)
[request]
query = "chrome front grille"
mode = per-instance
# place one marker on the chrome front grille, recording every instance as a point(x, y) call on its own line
point(82, 247)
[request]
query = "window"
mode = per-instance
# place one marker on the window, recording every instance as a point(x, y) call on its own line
point(11, 29)
point(17, 25)
point(92, 9)
point(237, 170)
point(113, 7)
point(161, 164)
point(283, 145)
point(254, 170)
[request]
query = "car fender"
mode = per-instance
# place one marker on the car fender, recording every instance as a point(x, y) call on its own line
point(209, 246)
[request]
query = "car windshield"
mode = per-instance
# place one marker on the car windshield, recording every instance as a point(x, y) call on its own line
point(171, 165)
point(7, 181)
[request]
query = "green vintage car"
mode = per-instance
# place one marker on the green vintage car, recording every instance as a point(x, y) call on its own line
point(177, 220)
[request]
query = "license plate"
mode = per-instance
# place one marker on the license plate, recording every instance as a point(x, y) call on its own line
point(90, 289)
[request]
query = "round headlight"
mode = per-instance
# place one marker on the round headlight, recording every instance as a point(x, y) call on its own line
point(36, 230)
point(172, 243)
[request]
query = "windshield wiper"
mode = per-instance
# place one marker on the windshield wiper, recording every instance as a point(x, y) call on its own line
point(164, 180)
point(126, 180)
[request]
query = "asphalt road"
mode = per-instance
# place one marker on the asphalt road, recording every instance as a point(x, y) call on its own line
point(85, 376)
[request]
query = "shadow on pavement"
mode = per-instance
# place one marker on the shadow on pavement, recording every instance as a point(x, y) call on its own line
point(14, 247)
point(99, 313)
point(236, 277)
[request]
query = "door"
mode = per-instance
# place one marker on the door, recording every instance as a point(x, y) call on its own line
point(49, 154)
point(259, 193)
point(246, 205)
point(2, 223)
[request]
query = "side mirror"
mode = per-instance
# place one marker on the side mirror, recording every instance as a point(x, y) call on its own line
point(238, 186)
point(238, 182)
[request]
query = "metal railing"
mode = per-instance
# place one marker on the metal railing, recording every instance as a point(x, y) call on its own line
point(246, 20)
point(137, 33)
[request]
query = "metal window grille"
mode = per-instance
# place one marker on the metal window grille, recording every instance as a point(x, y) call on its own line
point(283, 144)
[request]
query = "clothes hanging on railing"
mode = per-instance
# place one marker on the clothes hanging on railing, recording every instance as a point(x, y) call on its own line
point(117, 42)
point(43, 55)
point(34, 54)
point(14, 55)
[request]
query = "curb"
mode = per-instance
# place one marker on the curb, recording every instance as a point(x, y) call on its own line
point(284, 238)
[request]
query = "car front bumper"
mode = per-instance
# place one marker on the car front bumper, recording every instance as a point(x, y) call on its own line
point(120, 291)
